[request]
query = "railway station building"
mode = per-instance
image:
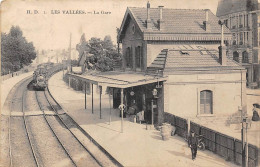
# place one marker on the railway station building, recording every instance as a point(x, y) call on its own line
point(174, 61)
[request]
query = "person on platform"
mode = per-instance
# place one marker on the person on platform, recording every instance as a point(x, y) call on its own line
point(133, 109)
point(255, 113)
point(193, 144)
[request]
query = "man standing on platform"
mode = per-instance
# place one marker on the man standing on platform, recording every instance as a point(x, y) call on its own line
point(193, 144)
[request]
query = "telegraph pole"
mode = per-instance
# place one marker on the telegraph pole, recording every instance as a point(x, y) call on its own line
point(70, 48)
point(69, 58)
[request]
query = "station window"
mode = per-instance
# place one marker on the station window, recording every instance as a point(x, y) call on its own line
point(206, 99)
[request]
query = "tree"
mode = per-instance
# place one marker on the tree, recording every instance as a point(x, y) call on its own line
point(103, 52)
point(16, 51)
point(83, 45)
point(107, 43)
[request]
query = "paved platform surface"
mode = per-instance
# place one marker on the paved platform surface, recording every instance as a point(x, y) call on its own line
point(136, 146)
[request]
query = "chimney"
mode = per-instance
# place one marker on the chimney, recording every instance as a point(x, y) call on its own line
point(222, 48)
point(148, 20)
point(161, 23)
point(206, 22)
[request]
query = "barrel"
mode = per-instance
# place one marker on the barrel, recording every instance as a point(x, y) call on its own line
point(165, 131)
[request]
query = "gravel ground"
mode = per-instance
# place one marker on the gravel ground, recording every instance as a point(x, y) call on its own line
point(4, 143)
point(48, 149)
point(102, 158)
point(31, 103)
point(21, 150)
point(78, 153)
point(17, 98)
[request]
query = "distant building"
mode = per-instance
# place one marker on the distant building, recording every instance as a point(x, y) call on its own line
point(242, 17)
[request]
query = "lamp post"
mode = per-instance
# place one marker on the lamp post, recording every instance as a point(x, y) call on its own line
point(110, 94)
point(155, 92)
point(244, 123)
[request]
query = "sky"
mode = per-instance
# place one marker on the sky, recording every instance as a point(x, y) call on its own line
point(51, 28)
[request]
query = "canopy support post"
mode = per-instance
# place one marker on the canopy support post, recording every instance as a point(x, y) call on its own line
point(109, 106)
point(92, 98)
point(122, 110)
point(85, 95)
point(100, 92)
point(69, 81)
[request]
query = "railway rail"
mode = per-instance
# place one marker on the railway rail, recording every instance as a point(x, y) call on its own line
point(19, 101)
point(44, 115)
point(55, 122)
point(27, 132)
point(55, 110)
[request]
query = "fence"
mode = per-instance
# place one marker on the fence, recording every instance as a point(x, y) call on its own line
point(77, 84)
point(7, 76)
point(225, 146)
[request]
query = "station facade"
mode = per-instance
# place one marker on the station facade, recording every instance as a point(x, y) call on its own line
point(174, 61)
point(184, 46)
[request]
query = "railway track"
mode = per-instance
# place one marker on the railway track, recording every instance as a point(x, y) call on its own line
point(18, 101)
point(49, 125)
point(65, 135)
point(27, 131)
point(34, 118)
point(26, 148)
point(61, 119)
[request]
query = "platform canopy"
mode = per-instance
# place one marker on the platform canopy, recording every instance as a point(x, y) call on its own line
point(118, 79)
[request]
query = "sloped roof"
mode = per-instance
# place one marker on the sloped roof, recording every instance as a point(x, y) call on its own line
point(118, 79)
point(226, 7)
point(185, 57)
point(184, 21)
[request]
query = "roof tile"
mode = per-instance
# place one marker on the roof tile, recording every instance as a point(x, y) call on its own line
point(177, 20)
point(198, 57)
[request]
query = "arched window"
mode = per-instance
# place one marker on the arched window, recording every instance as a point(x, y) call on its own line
point(206, 102)
point(245, 57)
point(236, 56)
point(128, 58)
point(138, 57)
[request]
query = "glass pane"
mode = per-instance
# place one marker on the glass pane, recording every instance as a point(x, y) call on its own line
point(202, 95)
point(207, 109)
point(201, 108)
point(206, 102)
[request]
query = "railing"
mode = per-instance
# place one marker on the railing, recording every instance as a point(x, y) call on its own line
point(225, 146)
point(7, 76)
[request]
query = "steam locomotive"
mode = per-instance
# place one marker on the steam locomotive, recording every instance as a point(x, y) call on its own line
point(42, 73)
point(39, 77)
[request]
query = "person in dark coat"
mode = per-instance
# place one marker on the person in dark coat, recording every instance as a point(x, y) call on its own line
point(193, 144)
point(255, 113)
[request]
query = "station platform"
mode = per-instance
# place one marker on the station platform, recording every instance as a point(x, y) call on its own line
point(136, 146)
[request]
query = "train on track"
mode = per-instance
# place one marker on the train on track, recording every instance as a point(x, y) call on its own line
point(42, 73)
